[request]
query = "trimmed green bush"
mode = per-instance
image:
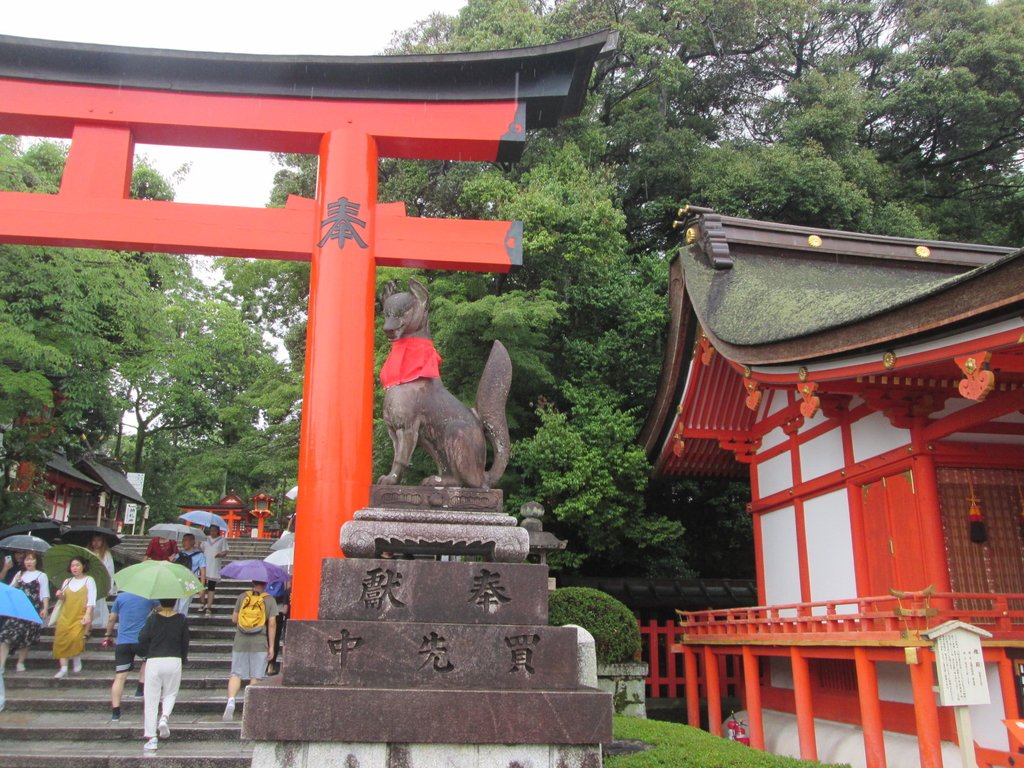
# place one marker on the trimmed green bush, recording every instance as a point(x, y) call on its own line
point(681, 746)
point(613, 625)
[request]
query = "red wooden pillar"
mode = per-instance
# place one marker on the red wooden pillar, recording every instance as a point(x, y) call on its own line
point(926, 711)
point(692, 686)
point(804, 704)
point(870, 709)
point(927, 485)
point(713, 690)
point(335, 453)
point(752, 686)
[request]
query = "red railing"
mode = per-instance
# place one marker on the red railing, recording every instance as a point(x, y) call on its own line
point(868, 618)
point(666, 678)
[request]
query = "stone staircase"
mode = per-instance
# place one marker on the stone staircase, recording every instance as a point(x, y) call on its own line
point(49, 723)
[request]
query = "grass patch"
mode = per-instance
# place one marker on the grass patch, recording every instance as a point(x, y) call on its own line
point(680, 746)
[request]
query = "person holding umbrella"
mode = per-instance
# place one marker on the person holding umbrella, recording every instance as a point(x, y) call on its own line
point(255, 620)
point(164, 642)
point(14, 604)
point(19, 634)
point(77, 596)
point(215, 548)
point(164, 638)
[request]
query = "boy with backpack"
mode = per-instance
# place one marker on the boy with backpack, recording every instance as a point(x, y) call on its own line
point(255, 620)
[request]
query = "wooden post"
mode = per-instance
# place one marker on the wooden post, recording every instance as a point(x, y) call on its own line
point(926, 710)
point(804, 704)
point(752, 686)
point(870, 709)
point(692, 687)
point(713, 690)
point(335, 451)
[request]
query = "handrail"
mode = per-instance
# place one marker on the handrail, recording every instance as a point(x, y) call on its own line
point(902, 612)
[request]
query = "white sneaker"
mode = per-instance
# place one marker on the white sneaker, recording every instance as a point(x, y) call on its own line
point(163, 730)
point(229, 711)
point(61, 674)
point(76, 665)
point(20, 667)
point(151, 744)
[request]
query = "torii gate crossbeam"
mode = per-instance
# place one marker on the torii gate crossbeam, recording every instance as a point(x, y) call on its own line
point(350, 112)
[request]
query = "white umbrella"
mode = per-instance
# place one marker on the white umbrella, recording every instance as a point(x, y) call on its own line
point(286, 541)
point(176, 531)
point(282, 557)
point(293, 494)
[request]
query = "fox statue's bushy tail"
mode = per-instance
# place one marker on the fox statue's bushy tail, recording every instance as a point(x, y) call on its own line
point(491, 397)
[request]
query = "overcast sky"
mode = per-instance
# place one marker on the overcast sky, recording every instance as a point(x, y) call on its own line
point(310, 27)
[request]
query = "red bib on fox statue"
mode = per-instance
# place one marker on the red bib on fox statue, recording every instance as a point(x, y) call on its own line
point(410, 358)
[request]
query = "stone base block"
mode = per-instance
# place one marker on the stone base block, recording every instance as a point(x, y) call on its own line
point(305, 713)
point(270, 754)
point(388, 654)
point(425, 590)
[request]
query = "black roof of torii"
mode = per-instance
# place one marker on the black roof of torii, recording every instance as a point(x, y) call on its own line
point(550, 80)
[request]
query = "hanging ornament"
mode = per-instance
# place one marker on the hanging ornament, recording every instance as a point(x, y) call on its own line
point(979, 534)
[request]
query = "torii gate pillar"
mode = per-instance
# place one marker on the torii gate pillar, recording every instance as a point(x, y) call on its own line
point(350, 111)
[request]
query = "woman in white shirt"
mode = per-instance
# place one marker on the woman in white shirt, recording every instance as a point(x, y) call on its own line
point(17, 634)
point(78, 597)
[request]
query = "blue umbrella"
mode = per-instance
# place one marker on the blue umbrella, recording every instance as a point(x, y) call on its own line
point(253, 570)
point(15, 604)
point(204, 518)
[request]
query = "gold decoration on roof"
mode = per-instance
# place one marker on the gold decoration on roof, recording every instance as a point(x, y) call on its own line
point(923, 251)
point(691, 235)
point(814, 241)
point(889, 359)
point(802, 373)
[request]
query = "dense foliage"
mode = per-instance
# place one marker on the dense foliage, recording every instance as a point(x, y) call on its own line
point(613, 625)
point(890, 117)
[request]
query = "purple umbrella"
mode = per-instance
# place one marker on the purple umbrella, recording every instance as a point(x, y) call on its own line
point(253, 570)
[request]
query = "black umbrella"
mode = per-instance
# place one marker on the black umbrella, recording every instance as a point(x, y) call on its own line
point(82, 535)
point(48, 530)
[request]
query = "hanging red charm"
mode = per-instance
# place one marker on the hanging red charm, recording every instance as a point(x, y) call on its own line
point(979, 533)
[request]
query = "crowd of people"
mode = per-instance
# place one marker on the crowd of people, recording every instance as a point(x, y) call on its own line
point(154, 633)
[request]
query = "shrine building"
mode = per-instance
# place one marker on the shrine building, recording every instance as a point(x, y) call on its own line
point(872, 389)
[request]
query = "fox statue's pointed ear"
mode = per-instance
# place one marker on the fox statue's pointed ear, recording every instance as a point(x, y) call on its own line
point(389, 289)
point(419, 292)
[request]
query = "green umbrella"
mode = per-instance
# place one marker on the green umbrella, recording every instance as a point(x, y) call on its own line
point(55, 565)
point(157, 579)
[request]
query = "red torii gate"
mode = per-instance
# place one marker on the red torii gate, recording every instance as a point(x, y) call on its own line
point(350, 111)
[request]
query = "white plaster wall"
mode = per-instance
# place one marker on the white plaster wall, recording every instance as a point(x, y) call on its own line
point(779, 400)
point(773, 438)
point(781, 561)
point(830, 549)
point(774, 475)
point(874, 435)
point(894, 682)
point(987, 719)
point(781, 672)
point(822, 455)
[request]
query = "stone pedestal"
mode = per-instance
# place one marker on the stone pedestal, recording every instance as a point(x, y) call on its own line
point(420, 663)
point(435, 521)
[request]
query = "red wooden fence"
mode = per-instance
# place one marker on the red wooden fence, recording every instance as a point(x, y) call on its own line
point(665, 676)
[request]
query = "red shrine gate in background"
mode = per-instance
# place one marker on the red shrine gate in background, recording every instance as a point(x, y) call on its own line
point(350, 112)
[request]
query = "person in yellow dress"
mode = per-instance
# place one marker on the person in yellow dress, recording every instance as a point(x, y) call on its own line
point(77, 596)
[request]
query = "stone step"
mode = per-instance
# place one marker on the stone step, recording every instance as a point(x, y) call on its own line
point(100, 679)
point(96, 726)
point(194, 702)
point(85, 753)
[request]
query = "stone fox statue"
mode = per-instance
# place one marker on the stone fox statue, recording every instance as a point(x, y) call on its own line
point(418, 408)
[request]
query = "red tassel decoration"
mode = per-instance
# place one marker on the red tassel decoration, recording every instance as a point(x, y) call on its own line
point(979, 534)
